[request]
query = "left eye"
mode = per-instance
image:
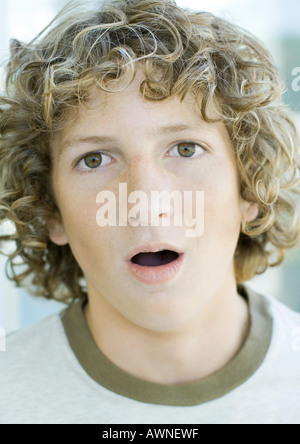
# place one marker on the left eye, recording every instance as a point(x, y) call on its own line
point(188, 149)
point(93, 161)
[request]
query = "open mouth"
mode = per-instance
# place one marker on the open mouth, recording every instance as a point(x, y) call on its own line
point(163, 257)
point(155, 267)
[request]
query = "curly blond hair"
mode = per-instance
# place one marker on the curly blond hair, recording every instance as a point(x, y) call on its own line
point(182, 52)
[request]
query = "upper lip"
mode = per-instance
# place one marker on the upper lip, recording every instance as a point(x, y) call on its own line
point(153, 248)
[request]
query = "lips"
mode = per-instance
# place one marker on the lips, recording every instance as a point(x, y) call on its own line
point(158, 267)
point(156, 264)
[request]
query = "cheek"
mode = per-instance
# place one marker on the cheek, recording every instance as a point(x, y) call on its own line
point(217, 246)
point(222, 203)
point(78, 211)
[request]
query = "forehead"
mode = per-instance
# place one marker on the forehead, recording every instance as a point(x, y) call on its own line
point(125, 113)
point(110, 107)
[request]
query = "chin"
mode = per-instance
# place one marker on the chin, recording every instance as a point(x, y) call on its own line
point(165, 322)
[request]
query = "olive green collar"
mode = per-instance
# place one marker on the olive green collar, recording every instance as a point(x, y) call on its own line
point(235, 373)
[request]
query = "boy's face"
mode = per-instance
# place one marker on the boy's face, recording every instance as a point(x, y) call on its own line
point(139, 154)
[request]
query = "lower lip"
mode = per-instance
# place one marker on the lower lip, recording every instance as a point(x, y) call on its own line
point(156, 275)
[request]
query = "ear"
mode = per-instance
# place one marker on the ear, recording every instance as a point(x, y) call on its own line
point(57, 232)
point(249, 211)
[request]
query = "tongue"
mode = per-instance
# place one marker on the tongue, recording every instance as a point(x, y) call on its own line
point(155, 259)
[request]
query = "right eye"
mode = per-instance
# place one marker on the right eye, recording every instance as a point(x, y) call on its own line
point(92, 161)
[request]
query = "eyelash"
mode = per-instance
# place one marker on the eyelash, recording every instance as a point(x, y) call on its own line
point(90, 170)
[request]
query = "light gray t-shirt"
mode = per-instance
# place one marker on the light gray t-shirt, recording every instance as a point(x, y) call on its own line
point(53, 373)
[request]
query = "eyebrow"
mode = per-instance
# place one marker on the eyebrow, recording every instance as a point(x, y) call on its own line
point(96, 140)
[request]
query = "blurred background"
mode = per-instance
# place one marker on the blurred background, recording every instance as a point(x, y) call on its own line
point(274, 22)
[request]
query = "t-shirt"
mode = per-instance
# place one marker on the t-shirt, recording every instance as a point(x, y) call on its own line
point(54, 373)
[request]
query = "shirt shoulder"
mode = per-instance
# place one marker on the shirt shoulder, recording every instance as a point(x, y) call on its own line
point(285, 343)
point(34, 358)
point(30, 345)
point(281, 313)
point(277, 309)
point(35, 369)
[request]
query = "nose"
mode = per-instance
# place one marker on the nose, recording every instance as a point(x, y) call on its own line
point(148, 188)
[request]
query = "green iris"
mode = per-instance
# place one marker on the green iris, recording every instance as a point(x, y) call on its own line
point(93, 160)
point(186, 149)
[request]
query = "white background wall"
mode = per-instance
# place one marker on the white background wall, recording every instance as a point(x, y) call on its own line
point(23, 19)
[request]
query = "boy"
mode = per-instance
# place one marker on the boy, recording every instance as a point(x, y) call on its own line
point(160, 327)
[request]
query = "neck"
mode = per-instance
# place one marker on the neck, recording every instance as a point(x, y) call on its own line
point(197, 350)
